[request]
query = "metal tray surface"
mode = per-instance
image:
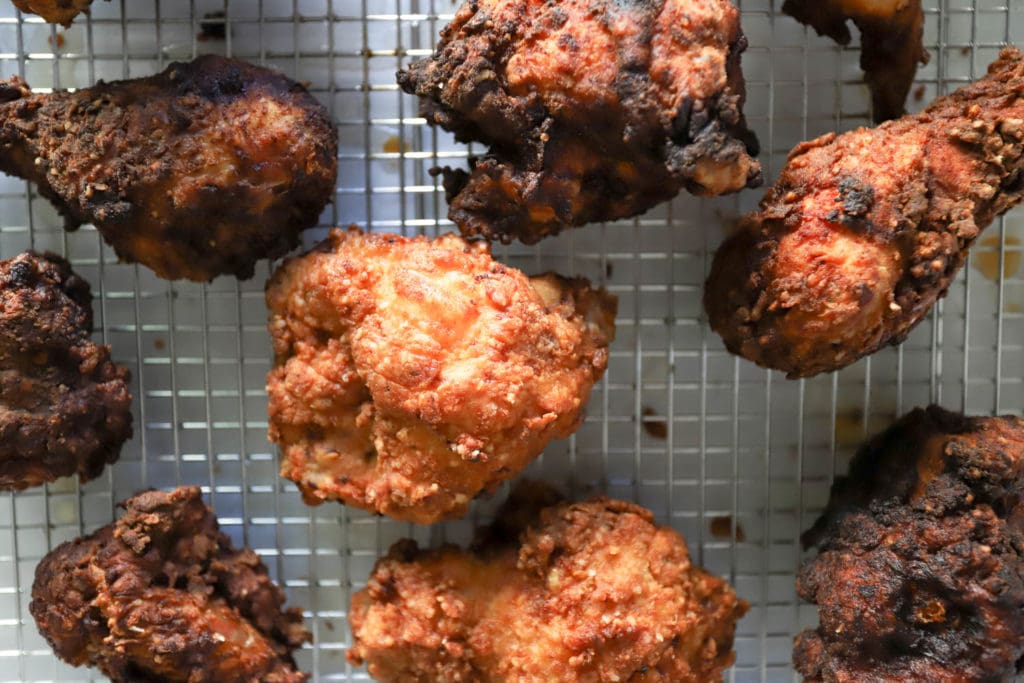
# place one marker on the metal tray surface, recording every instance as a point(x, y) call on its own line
point(736, 458)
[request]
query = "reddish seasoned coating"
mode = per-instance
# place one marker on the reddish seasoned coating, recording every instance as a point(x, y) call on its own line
point(65, 407)
point(891, 36)
point(195, 172)
point(55, 11)
point(592, 109)
point(162, 596)
point(413, 374)
point(864, 231)
point(553, 591)
point(919, 575)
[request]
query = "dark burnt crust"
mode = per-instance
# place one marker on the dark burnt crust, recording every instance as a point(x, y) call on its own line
point(113, 154)
point(928, 223)
point(64, 405)
point(462, 89)
point(167, 544)
point(919, 574)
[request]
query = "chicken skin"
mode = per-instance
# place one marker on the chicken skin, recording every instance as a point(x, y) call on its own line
point(413, 374)
point(162, 596)
point(196, 172)
point(65, 407)
point(864, 231)
point(553, 591)
point(919, 575)
point(892, 35)
point(593, 110)
point(55, 11)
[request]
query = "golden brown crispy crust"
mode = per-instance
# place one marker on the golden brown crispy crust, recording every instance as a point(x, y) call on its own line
point(892, 35)
point(593, 110)
point(162, 596)
point(589, 591)
point(413, 374)
point(55, 11)
point(920, 574)
point(864, 231)
point(196, 172)
point(64, 406)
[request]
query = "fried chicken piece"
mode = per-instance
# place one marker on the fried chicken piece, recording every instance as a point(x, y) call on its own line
point(55, 11)
point(892, 35)
point(865, 231)
point(65, 407)
point(162, 596)
point(920, 574)
point(593, 109)
point(413, 374)
point(196, 172)
point(554, 591)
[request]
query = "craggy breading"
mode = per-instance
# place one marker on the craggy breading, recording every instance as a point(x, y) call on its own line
point(196, 172)
point(891, 36)
point(920, 575)
point(865, 231)
point(65, 407)
point(411, 375)
point(55, 11)
point(593, 109)
point(572, 592)
point(162, 596)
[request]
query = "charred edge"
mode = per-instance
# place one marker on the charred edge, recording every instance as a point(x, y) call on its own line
point(855, 199)
point(12, 90)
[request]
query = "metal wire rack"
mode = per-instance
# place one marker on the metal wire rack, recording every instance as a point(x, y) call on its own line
point(736, 458)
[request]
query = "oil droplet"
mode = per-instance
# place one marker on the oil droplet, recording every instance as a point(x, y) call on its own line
point(987, 261)
point(654, 425)
point(721, 527)
point(394, 145)
point(849, 429)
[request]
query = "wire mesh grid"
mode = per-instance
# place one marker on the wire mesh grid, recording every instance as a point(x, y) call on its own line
point(736, 458)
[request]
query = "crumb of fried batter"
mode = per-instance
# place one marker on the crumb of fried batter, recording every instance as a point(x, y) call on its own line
point(65, 407)
point(162, 595)
point(412, 374)
point(919, 575)
point(554, 591)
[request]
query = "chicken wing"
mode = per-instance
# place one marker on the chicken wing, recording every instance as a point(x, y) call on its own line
point(65, 407)
point(593, 110)
point(162, 596)
point(891, 35)
point(413, 374)
point(196, 172)
point(864, 231)
point(55, 11)
point(555, 592)
point(919, 575)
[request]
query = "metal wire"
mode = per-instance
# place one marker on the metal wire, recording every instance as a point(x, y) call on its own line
point(738, 459)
